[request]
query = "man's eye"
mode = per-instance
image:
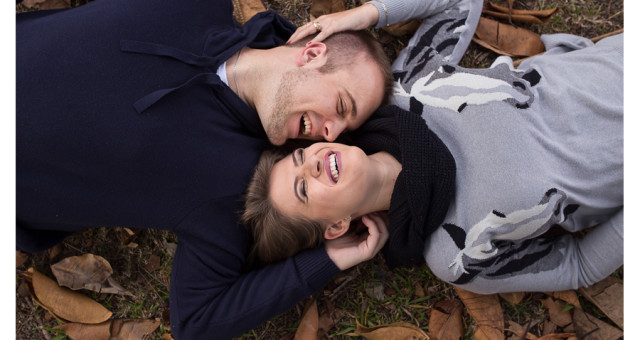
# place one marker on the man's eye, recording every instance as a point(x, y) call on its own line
point(341, 107)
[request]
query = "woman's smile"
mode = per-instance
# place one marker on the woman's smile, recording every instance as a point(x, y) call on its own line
point(333, 164)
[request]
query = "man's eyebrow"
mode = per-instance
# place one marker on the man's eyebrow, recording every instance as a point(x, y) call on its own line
point(295, 189)
point(354, 109)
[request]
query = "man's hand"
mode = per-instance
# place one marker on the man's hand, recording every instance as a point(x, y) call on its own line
point(352, 249)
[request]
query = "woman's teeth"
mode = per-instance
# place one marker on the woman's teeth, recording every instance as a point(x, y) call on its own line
point(334, 167)
point(306, 125)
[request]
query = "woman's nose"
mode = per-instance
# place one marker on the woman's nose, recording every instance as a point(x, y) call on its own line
point(313, 166)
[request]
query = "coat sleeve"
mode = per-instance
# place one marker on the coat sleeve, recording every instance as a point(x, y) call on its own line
point(213, 297)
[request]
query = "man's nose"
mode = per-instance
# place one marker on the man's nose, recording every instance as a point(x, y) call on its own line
point(332, 129)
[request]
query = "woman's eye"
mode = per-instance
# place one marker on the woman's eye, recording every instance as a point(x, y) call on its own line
point(304, 188)
point(301, 155)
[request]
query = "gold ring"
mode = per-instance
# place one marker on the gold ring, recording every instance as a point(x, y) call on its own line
point(317, 26)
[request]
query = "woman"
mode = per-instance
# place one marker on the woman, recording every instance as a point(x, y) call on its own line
point(536, 147)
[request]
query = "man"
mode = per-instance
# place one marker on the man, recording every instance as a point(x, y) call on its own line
point(152, 114)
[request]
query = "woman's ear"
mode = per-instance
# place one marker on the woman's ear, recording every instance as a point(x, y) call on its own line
point(312, 53)
point(337, 229)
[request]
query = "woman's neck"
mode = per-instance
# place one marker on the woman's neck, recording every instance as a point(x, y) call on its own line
point(387, 169)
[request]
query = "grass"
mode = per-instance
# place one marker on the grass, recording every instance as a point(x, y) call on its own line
point(404, 294)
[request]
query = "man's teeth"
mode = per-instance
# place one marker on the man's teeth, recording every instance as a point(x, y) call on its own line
point(307, 125)
point(334, 167)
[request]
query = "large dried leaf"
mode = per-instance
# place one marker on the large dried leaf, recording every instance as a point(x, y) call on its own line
point(445, 321)
point(65, 303)
point(88, 271)
point(568, 296)
point(487, 313)
point(608, 295)
point(396, 330)
point(126, 329)
point(557, 312)
point(588, 327)
point(519, 331)
point(322, 7)
point(47, 4)
point(308, 328)
point(243, 10)
point(519, 15)
point(403, 28)
point(513, 298)
point(506, 39)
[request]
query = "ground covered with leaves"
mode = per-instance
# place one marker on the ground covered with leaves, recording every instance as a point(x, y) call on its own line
point(368, 301)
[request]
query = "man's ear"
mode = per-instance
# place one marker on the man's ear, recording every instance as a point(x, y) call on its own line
point(312, 53)
point(337, 229)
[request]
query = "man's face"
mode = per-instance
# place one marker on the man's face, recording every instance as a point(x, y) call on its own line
point(316, 106)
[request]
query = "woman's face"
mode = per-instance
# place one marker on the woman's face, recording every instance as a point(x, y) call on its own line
point(325, 182)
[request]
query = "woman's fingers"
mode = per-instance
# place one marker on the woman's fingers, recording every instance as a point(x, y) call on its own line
point(378, 232)
point(354, 19)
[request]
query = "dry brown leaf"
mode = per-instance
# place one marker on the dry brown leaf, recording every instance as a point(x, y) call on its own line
point(153, 263)
point(65, 303)
point(519, 331)
point(243, 10)
point(445, 321)
point(506, 39)
point(538, 13)
point(558, 336)
point(568, 296)
point(76, 271)
point(608, 296)
point(47, 4)
point(132, 329)
point(513, 298)
point(55, 251)
point(120, 329)
point(556, 313)
point(588, 327)
point(396, 330)
point(418, 290)
point(88, 271)
point(321, 7)
point(80, 331)
point(167, 337)
point(403, 28)
point(487, 313)
point(308, 328)
point(21, 258)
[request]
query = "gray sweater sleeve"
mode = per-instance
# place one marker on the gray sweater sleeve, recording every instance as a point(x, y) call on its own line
point(394, 11)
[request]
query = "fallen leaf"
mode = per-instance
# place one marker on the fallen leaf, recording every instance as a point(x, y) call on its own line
point(63, 302)
point(21, 258)
point(55, 251)
point(167, 337)
point(322, 7)
point(608, 296)
point(153, 263)
point(519, 331)
point(403, 28)
point(243, 10)
point(308, 328)
point(557, 312)
point(506, 39)
point(375, 290)
point(80, 331)
point(519, 15)
point(132, 329)
point(89, 271)
point(487, 313)
point(568, 296)
point(558, 336)
point(513, 298)
point(119, 329)
point(418, 291)
point(588, 327)
point(396, 330)
point(445, 321)
point(47, 4)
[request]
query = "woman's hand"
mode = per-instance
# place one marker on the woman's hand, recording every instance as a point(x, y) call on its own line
point(354, 19)
point(352, 249)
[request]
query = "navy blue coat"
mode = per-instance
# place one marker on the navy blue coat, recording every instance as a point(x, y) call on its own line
point(122, 121)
